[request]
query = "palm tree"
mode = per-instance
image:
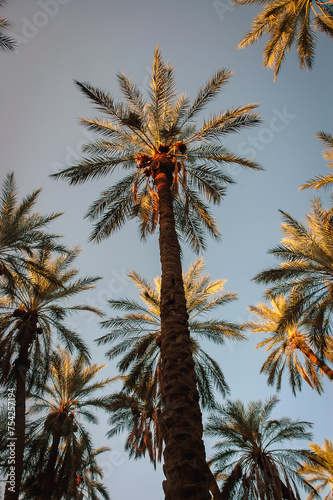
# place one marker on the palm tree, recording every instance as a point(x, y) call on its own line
point(173, 165)
point(79, 471)
point(139, 412)
point(247, 455)
point(22, 231)
point(284, 344)
point(30, 313)
point(305, 274)
point(320, 181)
point(319, 469)
point(137, 334)
point(67, 397)
point(287, 22)
point(6, 42)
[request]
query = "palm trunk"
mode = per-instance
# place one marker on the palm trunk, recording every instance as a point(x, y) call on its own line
point(50, 473)
point(214, 488)
point(308, 352)
point(184, 454)
point(21, 367)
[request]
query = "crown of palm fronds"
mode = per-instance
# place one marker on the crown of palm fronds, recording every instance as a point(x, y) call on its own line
point(136, 134)
point(320, 181)
point(305, 274)
point(288, 22)
point(136, 334)
point(22, 231)
point(318, 469)
point(36, 307)
point(67, 397)
point(248, 456)
point(284, 346)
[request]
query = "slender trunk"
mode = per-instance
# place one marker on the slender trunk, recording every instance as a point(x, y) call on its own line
point(17, 444)
point(50, 473)
point(185, 468)
point(214, 489)
point(308, 352)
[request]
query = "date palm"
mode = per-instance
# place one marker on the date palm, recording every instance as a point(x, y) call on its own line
point(170, 166)
point(320, 181)
point(31, 312)
point(136, 335)
point(247, 452)
point(22, 231)
point(287, 22)
point(7, 43)
point(139, 412)
point(305, 274)
point(284, 345)
point(78, 473)
point(318, 469)
point(68, 396)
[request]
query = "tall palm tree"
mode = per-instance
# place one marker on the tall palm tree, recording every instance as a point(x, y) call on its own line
point(137, 333)
point(247, 455)
point(30, 313)
point(7, 43)
point(284, 344)
point(67, 397)
point(305, 274)
point(320, 181)
point(22, 231)
point(288, 22)
point(172, 164)
point(319, 469)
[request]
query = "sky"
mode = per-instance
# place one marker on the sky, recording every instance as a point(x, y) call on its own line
point(63, 40)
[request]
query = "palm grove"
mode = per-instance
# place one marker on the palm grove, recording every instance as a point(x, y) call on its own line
point(171, 169)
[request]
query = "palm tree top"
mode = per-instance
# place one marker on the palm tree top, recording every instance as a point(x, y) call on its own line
point(140, 135)
point(320, 181)
point(136, 334)
point(318, 469)
point(284, 344)
point(305, 273)
point(44, 305)
point(287, 22)
point(22, 231)
point(251, 455)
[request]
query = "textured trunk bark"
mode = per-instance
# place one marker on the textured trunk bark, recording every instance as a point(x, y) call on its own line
point(21, 367)
point(308, 352)
point(49, 477)
point(185, 467)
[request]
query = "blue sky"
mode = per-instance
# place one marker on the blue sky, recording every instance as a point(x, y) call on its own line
point(63, 40)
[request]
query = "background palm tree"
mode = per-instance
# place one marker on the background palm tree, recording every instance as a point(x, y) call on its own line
point(284, 345)
point(287, 22)
point(7, 43)
point(139, 412)
point(319, 469)
point(31, 311)
point(67, 397)
point(305, 274)
point(137, 333)
point(247, 454)
point(22, 231)
point(173, 165)
point(320, 181)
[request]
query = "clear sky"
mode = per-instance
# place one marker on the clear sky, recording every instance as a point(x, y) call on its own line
point(63, 40)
